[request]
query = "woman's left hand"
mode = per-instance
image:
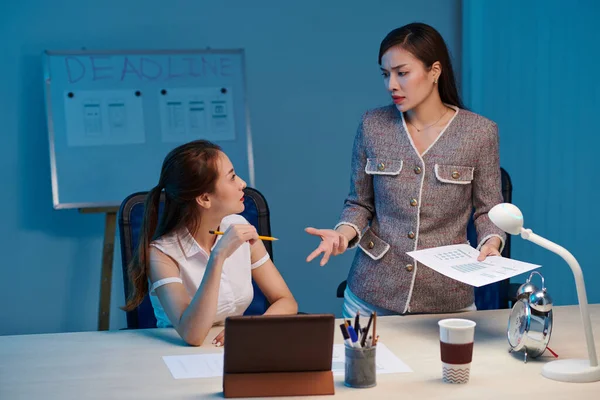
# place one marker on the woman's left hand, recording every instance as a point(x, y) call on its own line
point(490, 248)
point(219, 340)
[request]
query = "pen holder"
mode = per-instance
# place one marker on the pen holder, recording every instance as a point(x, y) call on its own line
point(360, 367)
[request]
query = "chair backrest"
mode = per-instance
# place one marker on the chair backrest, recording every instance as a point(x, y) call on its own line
point(496, 295)
point(131, 213)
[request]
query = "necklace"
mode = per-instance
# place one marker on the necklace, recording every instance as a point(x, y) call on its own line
point(430, 125)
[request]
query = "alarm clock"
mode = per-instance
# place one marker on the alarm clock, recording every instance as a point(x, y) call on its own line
point(530, 321)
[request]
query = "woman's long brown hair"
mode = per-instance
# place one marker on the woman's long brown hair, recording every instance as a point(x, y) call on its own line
point(188, 171)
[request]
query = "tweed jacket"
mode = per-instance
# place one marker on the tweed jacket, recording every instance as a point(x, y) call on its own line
point(401, 201)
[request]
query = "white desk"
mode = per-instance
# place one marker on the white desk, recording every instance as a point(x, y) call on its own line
point(129, 365)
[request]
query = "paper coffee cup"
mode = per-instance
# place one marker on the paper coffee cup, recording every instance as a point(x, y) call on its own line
point(456, 348)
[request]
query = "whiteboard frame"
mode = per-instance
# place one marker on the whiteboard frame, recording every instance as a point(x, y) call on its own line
point(51, 136)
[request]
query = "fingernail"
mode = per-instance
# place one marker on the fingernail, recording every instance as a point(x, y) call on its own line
point(218, 344)
point(214, 341)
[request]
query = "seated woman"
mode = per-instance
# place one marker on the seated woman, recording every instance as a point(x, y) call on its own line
point(197, 279)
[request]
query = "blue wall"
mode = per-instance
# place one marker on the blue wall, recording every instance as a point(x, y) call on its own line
point(311, 71)
point(532, 66)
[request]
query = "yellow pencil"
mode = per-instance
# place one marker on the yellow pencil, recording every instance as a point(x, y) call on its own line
point(375, 335)
point(268, 238)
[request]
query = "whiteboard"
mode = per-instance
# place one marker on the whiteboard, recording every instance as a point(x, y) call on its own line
point(114, 115)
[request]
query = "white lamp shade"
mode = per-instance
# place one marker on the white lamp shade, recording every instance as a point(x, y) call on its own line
point(507, 217)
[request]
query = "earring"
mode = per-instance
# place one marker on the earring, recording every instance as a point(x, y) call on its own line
point(435, 81)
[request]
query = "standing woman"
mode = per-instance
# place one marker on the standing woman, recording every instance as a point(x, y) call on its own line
point(419, 167)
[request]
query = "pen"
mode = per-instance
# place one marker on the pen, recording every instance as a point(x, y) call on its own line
point(364, 337)
point(268, 238)
point(356, 322)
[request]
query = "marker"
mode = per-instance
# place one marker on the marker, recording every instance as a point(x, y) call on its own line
point(346, 335)
point(353, 336)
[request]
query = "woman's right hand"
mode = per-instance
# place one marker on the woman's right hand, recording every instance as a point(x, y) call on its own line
point(332, 243)
point(234, 237)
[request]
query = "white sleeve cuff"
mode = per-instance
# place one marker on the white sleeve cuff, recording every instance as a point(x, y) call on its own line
point(260, 262)
point(163, 282)
point(352, 243)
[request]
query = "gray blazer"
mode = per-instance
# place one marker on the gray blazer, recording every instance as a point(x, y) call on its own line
point(400, 201)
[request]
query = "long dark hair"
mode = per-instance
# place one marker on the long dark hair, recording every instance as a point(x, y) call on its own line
point(427, 45)
point(188, 171)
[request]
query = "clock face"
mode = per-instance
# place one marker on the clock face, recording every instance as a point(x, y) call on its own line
point(518, 324)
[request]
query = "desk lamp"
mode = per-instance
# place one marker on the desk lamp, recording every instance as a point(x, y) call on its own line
point(509, 218)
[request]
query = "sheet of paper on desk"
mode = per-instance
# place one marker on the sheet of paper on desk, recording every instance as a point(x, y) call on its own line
point(459, 262)
point(195, 365)
point(210, 365)
point(387, 362)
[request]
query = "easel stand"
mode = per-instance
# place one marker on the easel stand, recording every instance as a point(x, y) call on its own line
point(108, 249)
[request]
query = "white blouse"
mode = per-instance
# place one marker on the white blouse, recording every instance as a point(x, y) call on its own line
point(235, 290)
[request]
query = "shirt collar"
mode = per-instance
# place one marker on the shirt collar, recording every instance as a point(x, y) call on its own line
point(190, 246)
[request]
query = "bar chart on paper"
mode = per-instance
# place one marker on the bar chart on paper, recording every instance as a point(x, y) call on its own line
point(193, 113)
point(459, 262)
